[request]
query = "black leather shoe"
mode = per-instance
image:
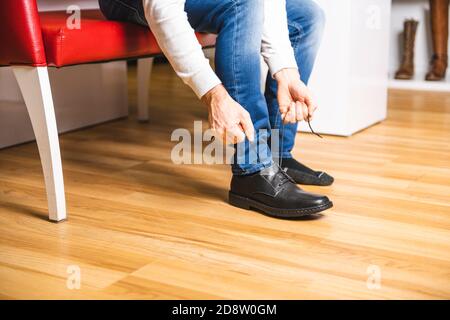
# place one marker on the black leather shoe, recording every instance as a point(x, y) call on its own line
point(301, 174)
point(275, 194)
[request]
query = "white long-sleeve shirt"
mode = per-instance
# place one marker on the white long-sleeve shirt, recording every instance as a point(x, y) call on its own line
point(169, 23)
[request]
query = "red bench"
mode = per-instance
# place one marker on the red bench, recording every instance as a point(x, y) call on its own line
point(32, 41)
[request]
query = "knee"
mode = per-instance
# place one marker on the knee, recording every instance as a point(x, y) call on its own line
point(252, 10)
point(251, 5)
point(245, 18)
point(309, 15)
point(317, 17)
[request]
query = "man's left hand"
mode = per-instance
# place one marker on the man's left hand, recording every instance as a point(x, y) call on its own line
point(294, 98)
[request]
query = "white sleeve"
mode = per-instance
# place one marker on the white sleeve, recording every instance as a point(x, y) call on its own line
point(276, 47)
point(169, 23)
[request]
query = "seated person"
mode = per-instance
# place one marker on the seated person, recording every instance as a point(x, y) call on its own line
point(287, 34)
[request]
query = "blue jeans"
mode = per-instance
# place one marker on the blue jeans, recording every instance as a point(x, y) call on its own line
point(306, 21)
point(239, 26)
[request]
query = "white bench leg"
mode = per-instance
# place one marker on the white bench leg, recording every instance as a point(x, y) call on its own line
point(144, 70)
point(36, 91)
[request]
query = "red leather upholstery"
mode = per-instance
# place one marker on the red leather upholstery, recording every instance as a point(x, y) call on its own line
point(20, 35)
point(97, 40)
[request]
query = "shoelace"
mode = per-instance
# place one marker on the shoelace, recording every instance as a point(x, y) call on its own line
point(312, 131)
point(285, 179)
point(282, 138)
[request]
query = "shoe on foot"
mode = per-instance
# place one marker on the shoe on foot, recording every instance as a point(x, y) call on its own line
point(301, 174)
point(275, 194)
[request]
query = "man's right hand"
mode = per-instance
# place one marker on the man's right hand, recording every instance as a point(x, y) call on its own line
point(230, 121)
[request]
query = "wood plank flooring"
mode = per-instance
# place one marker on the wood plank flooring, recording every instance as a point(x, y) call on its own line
point(141, 227)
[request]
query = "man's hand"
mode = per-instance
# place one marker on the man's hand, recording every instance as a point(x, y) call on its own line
point(228, 118)
point(294, 98)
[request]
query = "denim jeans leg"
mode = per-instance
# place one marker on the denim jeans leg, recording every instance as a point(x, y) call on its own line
point(306, 21)
point(239, 25)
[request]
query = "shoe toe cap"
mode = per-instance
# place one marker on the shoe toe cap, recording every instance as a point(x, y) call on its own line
point(321, 201)
point(325, 179)
point(313, 200)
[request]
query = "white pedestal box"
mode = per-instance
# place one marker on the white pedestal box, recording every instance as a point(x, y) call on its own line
point(350, 77)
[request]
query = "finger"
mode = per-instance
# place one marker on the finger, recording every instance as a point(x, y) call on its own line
point(305, 111)
point(227, 137)
point(236, 134)
point(292, 113)
point(311, 105)
point(307, 98)
point(312, 110)
point(309, 102)
point(283, 111)
point(247, 126)
point(299, 111)
point(218, 133)
point(284, 107)
point(286, 116)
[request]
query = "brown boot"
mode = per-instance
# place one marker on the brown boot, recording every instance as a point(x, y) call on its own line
point(406, 70)
point(439, 30)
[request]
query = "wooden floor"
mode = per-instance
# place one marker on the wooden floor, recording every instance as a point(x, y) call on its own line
point(142, 227)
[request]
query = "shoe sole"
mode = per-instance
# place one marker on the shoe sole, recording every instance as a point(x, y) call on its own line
point(291, 214)
point(404, 78)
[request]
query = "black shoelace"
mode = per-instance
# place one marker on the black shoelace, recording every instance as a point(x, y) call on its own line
point(285, 178)
point(312, 131)
point(282, 137)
